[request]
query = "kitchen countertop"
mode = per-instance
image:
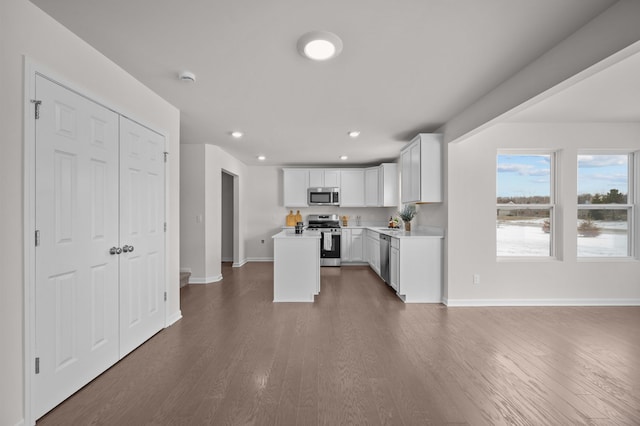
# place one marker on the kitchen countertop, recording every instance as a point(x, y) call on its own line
point(292, 234)
point(421, 232)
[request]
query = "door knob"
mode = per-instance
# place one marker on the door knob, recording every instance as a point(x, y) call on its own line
point(127, 249)
point(115, 250)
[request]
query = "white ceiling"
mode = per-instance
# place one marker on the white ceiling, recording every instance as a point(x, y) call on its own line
point(407, 65)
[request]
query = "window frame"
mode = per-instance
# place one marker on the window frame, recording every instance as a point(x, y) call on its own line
point(632, 169)
point(551, 206)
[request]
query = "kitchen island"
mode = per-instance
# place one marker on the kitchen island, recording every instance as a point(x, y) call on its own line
point(296, 266)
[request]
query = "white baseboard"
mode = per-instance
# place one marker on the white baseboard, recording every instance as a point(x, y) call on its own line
point(205, 280)
point(226, 259)
point(239, 264)
point(541, 302)
point(259, 259)
point(174, 318)
point(20, 423)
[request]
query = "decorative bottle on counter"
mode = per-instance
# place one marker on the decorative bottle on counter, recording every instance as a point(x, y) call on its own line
point(298, 216)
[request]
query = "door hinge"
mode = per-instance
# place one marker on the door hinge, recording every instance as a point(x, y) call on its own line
point(37, 105)
point(37, 238)
point(38, 365)
point(165, 296)
point(166, 155)
point(165, 227)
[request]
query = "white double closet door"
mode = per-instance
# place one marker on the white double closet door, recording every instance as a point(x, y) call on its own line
point(99, 187)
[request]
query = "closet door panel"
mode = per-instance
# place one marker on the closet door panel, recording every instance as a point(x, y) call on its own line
point(76, 218)
point(141, 227)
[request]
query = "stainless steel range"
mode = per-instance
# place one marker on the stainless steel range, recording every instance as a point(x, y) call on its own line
point(329, 226)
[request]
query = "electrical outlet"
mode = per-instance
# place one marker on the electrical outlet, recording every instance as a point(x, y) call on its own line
point(261, 241)
point(476, 278)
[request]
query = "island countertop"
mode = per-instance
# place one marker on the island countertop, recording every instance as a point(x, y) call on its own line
point(292, 234)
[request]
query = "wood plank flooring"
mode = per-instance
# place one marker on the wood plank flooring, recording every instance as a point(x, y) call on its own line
point(358, 356)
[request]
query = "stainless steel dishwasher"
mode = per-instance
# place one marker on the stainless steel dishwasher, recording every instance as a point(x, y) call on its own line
point(385, 243)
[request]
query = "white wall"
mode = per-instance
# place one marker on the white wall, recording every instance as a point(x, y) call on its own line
point(472, 215)
point(201, 243)
point(26, 30)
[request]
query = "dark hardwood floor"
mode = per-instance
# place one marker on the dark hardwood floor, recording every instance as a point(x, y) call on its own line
point(360, 356)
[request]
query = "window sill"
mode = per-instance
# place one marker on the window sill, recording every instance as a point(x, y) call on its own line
point(526, 259)
point(607, 259)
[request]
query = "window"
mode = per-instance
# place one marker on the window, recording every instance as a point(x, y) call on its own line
point(525, 205)
point(605, 207)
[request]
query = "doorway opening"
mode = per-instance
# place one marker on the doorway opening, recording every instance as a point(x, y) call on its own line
point(228, 218)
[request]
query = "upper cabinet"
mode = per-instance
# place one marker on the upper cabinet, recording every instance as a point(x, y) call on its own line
point(370, 187)
point(352, 187)
point(296, 182)
point(421, 168)
point(324, 178)
point(381, 185)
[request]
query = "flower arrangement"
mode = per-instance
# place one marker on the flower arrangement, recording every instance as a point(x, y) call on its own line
point(407, 213)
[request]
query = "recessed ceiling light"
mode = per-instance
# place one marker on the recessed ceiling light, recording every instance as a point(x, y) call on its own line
point(354, 134)
point(319, 45)
point(237, 134)
point(343, 157)
point(261, 157)
point(187, 76)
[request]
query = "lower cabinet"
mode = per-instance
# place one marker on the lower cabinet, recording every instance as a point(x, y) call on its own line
point(373, 250)
point(352, 245)
point(417, 273)
point(394, 264)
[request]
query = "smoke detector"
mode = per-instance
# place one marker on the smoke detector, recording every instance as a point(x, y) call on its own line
point(187, 76)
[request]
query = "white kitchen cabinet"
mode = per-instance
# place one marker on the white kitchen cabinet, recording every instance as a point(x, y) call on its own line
point(373, 250)
point(296, 183)
point(421, 166)
point(381, 185)
point(352, 249)
point(394, 264)
point(418, 274)
point(352, 187)
point(388, 185)
point(324, 178)
point(371, 187)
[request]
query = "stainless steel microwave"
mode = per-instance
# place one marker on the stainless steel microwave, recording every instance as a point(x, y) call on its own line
point(323, 196)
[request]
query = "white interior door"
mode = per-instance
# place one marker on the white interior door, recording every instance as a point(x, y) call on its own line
point(142, 285)
point(76, 215)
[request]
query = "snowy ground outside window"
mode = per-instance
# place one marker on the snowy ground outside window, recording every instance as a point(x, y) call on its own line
point(527, 238)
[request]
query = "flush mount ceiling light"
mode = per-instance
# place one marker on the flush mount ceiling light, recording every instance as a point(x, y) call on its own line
point(319, 45)
point(343, 157)
point(354, 134)
point(261, 157)
point(187, 76)
point(237, 134)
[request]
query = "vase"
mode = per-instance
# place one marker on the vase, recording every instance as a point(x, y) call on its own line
point(407, 226)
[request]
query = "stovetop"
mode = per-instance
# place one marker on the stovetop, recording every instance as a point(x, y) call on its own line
point(323, 221)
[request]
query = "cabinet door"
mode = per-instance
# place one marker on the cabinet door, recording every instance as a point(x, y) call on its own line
point(316, 178)
point(388, 185)
point(296, 182)
point(414, 191)
point(405, 160)
point(356, 246)
point(352, 188)
point(394, 269)
point(345, 245)
point(332, 178)
point(371, 187)
point(375, 254)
